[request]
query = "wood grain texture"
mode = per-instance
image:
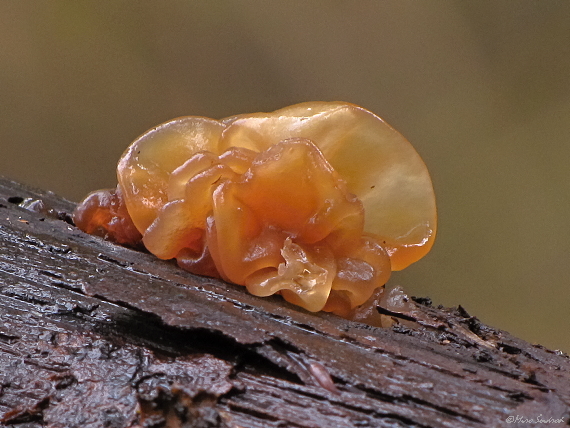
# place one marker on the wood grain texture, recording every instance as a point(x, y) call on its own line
point(93, 334)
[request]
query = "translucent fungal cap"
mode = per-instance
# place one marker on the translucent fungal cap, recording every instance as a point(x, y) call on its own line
point(317, 202)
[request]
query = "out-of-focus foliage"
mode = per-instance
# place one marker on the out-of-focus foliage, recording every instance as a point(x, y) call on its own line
point(482, 89)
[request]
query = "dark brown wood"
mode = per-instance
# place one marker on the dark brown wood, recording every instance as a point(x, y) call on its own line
point(97, 335)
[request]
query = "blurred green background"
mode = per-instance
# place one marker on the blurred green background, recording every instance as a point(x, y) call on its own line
point(481, 88)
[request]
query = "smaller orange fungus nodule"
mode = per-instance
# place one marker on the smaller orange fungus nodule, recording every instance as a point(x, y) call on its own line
point(318, 202)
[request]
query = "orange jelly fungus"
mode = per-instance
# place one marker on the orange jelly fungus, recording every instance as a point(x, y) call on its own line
point(318, 202)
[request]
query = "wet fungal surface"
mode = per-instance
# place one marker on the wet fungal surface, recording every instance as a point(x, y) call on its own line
point(317, 202)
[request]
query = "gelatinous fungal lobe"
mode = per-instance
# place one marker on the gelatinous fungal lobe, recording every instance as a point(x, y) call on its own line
point(317, 202)
point(103, 213)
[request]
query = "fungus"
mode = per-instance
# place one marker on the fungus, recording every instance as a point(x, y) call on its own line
point(318, 202)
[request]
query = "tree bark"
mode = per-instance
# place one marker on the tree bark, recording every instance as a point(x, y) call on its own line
point(97, 335)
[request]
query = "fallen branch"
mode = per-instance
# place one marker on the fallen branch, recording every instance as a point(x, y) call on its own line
point(93, 334)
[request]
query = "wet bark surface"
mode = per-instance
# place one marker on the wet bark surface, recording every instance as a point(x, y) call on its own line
point(97, 335)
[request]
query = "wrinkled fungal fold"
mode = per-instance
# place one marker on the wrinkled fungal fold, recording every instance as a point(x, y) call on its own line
point(317, 202)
